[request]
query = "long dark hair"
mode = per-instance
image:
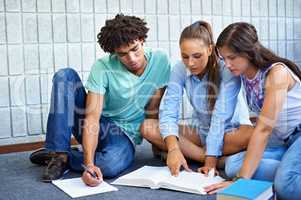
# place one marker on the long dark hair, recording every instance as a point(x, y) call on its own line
point(202, 30)
point(242, 38)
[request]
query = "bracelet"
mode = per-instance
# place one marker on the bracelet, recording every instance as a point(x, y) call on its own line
point(236, 177)
point(90, 165)
point(173, 149)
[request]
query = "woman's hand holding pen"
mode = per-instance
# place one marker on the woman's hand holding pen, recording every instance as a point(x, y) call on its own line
point(92, 175)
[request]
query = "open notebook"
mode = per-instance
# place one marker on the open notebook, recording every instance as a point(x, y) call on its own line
point(160, 177)
point(75, 187)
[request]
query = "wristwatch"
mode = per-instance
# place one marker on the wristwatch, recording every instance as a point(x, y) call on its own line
point(236, 177)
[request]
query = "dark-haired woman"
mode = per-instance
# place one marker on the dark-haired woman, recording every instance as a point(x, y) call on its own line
point(213, 93)
point(273, 91)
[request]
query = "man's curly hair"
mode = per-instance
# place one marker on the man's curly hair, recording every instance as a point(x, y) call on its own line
point(121, 30)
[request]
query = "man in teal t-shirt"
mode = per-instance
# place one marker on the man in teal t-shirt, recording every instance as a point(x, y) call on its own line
point(125, 93)
point(124, 88)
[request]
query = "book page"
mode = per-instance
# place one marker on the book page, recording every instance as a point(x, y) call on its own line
point(75, 187)
point(192, 182)
point(146, 176)
point(156, 177)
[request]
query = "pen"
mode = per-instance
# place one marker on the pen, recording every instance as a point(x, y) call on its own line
point(87, 170)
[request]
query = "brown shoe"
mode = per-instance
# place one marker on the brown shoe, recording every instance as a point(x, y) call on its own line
point(41, 156)
point(56, 168)
point(158, 153)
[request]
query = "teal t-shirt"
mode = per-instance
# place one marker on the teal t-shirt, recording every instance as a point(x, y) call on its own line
point(125, 94)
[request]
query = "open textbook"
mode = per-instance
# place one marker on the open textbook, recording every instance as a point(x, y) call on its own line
point(75, 187)
point(160, 177)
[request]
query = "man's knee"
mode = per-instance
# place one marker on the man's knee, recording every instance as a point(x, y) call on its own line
point(112, 166)
point(149, 129)
point(65, 74)
point(111, 170)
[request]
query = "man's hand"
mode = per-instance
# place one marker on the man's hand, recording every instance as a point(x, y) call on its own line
point(175, 160)
point(88, 174)
point(210, 163)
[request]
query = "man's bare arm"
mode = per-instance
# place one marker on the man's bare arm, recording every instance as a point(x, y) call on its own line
point(94, 104)
point(152, 107)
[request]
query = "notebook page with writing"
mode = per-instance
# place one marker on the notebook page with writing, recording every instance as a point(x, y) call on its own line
point(75, 187)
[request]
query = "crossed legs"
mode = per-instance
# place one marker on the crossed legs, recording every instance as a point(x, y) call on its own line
point(190, 142)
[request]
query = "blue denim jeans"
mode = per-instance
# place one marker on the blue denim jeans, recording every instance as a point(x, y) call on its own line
point(267, 166)
point(114, 152)
point(288, 176)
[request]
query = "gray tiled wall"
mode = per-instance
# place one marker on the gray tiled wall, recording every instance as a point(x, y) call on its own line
point(38, 37)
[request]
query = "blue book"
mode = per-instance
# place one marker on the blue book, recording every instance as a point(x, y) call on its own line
point(247, 189)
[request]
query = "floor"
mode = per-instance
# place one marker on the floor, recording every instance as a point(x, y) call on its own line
point(20, 180)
